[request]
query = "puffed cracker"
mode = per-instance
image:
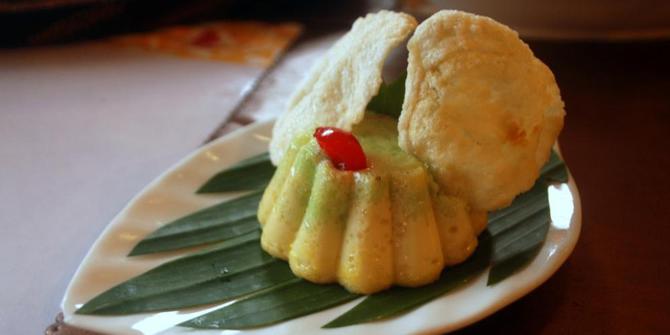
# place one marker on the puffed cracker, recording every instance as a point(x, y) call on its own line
point(480, 110)
point(337, 90)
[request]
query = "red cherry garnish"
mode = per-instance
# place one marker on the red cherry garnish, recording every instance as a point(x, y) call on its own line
point(342, 148)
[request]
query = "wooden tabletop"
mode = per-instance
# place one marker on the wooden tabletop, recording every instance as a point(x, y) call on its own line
point(616, 142)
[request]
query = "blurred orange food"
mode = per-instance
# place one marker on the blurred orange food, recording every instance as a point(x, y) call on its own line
point(250, 43)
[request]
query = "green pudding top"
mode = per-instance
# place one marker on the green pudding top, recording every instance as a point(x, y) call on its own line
point(378, 135)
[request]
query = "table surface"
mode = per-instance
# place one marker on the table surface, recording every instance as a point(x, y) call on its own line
point(615, 142)
point(82, 129)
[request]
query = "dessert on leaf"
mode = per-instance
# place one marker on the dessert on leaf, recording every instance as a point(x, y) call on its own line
point(371, 201)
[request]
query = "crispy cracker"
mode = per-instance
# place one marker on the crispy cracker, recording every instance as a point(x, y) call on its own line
point(480, 110)
point(337, 90)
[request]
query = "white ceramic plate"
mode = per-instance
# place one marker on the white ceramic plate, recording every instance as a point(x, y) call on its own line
point(172, 195)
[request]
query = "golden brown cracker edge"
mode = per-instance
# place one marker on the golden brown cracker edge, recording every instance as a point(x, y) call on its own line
point(480, 110)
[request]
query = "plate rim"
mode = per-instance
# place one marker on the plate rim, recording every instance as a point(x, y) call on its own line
point(573, 231)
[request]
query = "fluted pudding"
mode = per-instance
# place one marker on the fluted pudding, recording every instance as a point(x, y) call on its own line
point(387, 224)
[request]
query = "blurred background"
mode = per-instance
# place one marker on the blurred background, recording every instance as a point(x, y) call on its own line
point(39, 22)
